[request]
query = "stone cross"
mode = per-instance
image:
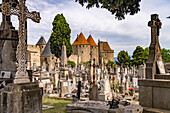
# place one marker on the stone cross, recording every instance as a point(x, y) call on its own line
point(154, 48)
point(21, 10)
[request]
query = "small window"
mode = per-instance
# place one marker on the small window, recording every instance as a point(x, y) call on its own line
point(79, 46)
point(42, 46)
point(82, 51)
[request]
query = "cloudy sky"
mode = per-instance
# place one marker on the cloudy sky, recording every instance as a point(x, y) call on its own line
point(121, 35)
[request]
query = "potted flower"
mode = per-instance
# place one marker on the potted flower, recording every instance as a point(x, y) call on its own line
point(131, 91)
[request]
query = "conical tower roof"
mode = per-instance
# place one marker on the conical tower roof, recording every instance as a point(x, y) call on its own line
point(47, 50)
point(80, 40)
point(41, 41)
point(91, 41)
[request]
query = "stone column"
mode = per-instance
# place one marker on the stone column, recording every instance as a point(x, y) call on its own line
point(64, 55)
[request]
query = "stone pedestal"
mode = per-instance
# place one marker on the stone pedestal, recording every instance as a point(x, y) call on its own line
point(121, 89)
point(106, 93)
point(64, 88)
point(93, 93)
point(21, 98)
point(154, 93)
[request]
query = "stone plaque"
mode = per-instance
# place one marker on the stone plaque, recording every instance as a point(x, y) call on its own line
point(5, 74)
point(161, 67)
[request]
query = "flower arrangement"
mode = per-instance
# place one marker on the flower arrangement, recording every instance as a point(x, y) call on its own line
point(75, 90)
point(131, 89)
point(126, 93)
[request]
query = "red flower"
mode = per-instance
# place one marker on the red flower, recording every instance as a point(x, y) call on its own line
point(131, 89)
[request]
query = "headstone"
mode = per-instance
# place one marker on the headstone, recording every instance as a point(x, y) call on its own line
point(93, 93)
point(63, 88)
point(22, 96)
point(79, 90)
point(154, 48)
point(105, 93)
point(8, 47)
point(161, 67)
point(141, 71)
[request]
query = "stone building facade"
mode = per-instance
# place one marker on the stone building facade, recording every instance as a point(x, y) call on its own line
point(88, 49)
point(105, 52)
point(39, 55)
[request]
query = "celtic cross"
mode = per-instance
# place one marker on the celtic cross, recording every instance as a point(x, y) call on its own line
point(20, 9)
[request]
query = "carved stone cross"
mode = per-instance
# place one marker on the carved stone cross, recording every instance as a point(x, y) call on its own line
point(21, 10)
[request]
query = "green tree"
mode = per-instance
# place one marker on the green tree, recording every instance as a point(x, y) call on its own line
point(61, 33)
point(146, 54)
point(165, 55)
point(111, 63)
point(119, 8)
point(72, 63)
point(123, 58)
point(140, 55)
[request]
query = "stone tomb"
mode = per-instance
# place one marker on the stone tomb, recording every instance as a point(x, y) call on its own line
point(64, 88)
point(155, 89)
point(105, 93)
point(101, 107)
point(21, 98)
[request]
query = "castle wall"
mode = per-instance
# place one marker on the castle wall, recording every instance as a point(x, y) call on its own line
point(33, 55)
point(94, 51)
point(84, 52)
point(75, 58)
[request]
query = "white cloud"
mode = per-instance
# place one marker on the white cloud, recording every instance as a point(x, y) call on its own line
point(122, 35)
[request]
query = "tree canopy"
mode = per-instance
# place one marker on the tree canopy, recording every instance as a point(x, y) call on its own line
point(61, 33)
point(140, 55)
point(119, 8)
point(123, 58)
point(110, 63)
point(165, 55)
point(72, 63)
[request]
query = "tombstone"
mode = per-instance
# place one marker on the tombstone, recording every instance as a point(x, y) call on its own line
point(154, 48)
point(22, 96)
point(127, 82)
point(155, 89)
point(8, 45)
point(121, 87)
point(64, 88)
point(105, 93)
point(93, 93)
point(141, 71)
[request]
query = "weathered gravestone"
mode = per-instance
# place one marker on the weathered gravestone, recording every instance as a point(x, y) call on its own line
point(8, 45)
point(63, 73)
point(105, 93)
point(22, 96)
point(155, 89)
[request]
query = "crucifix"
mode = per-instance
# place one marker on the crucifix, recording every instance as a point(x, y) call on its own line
point(11, 8)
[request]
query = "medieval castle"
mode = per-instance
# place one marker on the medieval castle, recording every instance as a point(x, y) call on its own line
point(83, 51)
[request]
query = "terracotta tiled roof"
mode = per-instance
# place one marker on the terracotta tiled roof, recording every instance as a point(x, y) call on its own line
point(106, 46)
point(80, 40)
point(91, 41)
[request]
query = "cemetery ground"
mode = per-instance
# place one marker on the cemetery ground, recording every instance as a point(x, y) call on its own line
point(59, 105)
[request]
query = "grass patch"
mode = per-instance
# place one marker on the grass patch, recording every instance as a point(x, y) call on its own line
point(59, 105)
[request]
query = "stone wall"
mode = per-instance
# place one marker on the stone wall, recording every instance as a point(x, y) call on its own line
point(33, 55)
point(94, 50)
